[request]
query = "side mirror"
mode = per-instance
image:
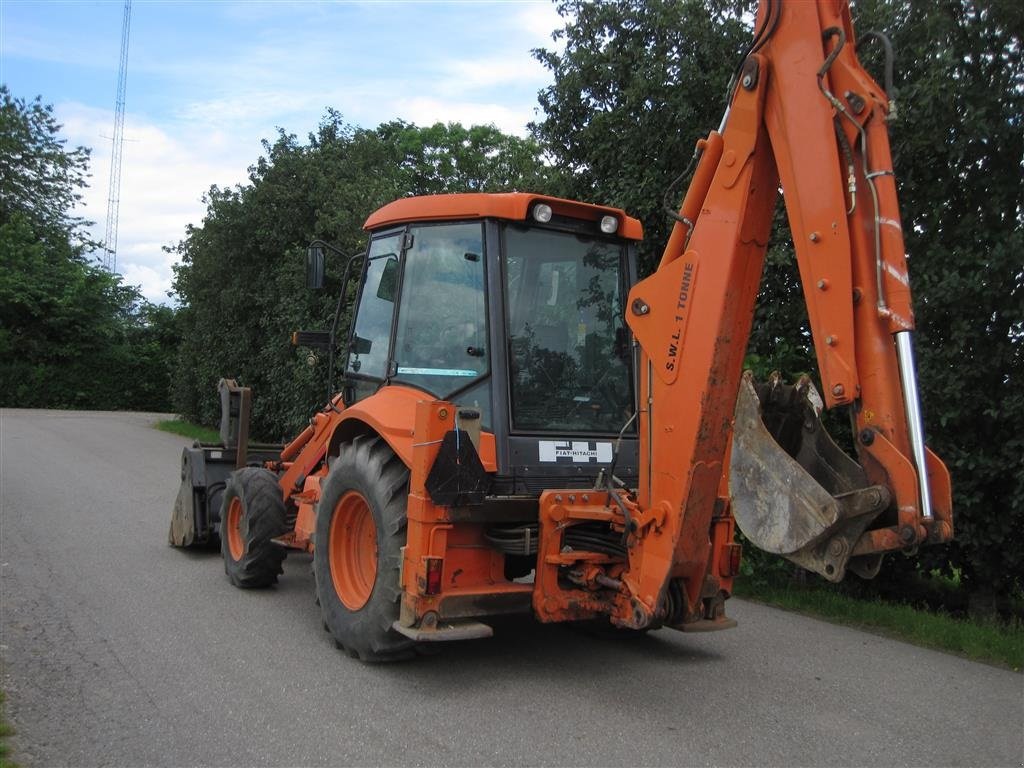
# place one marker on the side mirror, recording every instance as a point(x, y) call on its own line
point(361, 346)
point(315, 261)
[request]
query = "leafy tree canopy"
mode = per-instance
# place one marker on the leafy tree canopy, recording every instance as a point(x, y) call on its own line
point(39, 178)
point(71, 333)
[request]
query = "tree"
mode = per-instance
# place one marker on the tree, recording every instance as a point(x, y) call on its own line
point(70, 332)
point(39, 178)
point(640, 80)
point(452, 158)
point(958, 143)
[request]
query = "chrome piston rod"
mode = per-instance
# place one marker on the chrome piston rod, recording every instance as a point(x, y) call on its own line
point(908, 378)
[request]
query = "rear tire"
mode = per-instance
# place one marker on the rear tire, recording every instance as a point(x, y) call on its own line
point(360, 532)
point(252, 514)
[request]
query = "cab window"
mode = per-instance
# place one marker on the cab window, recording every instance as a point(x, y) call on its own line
point(568, 350)
point(368, 350)
point(441, 339)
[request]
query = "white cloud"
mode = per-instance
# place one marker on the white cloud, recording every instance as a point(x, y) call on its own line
point(489, 75)
point(249, 105)
point(427, 111)
point(198, 111)
point(163, 178)
point(540, 20)
point(154, 284)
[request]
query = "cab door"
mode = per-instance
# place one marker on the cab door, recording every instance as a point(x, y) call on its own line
point(441, 335)
point(369, 350)
point(421, 317)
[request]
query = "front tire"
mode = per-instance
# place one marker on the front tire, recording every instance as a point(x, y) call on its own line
point(252, 514)
point(360, 532)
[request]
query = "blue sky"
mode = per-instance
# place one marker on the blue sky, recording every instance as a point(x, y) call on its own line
point(208, 80)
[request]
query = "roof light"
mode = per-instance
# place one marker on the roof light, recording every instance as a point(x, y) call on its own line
point(542, 213)
point(609, 225)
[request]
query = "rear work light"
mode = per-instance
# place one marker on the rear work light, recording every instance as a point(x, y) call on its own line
point(542, 212)
point(609, 225)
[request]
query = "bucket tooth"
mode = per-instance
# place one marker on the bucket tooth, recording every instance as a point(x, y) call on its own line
point(794, 492)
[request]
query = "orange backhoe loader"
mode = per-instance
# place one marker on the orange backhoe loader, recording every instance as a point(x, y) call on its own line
point(524, 427)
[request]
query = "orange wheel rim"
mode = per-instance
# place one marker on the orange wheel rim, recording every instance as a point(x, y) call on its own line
point(233, 526)
point(353, 550)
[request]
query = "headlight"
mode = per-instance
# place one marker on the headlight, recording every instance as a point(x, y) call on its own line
point(609, 225)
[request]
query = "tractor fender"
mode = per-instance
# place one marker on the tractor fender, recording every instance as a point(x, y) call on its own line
point(390, 412)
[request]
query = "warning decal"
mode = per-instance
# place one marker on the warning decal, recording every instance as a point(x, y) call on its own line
point(575, 452)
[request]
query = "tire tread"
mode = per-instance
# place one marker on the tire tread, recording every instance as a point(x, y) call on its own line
point(263, 519)
point(368, 462)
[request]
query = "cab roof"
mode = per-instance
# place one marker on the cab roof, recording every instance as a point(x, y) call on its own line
point(513, 206)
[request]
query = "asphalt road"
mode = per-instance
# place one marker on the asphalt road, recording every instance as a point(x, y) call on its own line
point(118, 650)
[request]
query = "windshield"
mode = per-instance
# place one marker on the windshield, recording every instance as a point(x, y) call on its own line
point(569, 358)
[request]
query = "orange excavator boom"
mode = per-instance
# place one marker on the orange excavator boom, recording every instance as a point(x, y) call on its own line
point(804, 115)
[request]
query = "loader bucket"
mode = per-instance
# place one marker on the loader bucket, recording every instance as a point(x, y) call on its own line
point(191, 493)
point(183, 529)
point(196, 513)
point(794, 492)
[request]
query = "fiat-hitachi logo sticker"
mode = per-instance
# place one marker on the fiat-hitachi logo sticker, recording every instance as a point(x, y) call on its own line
point(575, 452)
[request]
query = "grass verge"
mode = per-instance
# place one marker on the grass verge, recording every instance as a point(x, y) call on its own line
point(5, 731)
point(188, 429)
point(988, 641)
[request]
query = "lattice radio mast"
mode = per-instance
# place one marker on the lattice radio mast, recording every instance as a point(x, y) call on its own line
point(114, 196)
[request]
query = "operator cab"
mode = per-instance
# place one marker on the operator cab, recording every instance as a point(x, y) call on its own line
point(511, 304)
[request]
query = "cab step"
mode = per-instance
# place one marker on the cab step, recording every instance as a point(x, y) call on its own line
point(445, 631)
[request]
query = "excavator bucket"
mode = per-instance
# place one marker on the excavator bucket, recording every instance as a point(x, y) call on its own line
point(794, 492)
